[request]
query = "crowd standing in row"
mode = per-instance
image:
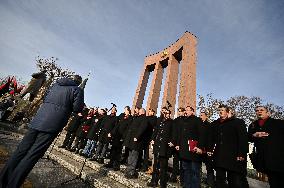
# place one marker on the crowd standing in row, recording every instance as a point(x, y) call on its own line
point(190, 140)
point(222, 144)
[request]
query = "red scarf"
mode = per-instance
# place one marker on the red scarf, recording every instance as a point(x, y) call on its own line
point(261, 122)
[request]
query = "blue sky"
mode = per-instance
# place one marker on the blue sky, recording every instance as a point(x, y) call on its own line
point(240, 43)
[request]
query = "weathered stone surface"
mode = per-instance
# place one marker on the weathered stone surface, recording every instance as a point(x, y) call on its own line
point(142, 85)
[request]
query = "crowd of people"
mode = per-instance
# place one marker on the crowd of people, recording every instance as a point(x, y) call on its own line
point(190, 140)
point(128, 138)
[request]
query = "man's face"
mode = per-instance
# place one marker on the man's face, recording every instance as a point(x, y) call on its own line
point(203, 116)
point(101, 112)
point(136, 110)
point(126, 112)
point(180, 112)
point(91, 111)
point(188, 111)
point(141, 111)
point(150, 113)
point(223, 113)
point(261, 113)
point(167, 115)
point(113, 110)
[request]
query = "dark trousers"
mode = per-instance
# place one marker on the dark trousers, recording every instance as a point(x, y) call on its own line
point(177, 166)
point(162, 164)
point(235, 179)
point(132, 161)
point(210, 179)
point(145, 157)
point(191, 173)
point(69, 138)
point(29, 151)
point(125, 155)
point(275, 179)
point(79, 143)
point(115, 153)
point(101, 150)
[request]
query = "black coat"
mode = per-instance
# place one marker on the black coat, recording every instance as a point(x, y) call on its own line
point(231, 141)
point(120, 130)
point(82, 130)
point(162, 136)
point(60, 101)
point(74, 124)
point(96, 126)
point(109, 123)
point(176, 123)
point(271, 148)
point(151, 124)
point(207, 129)
point(75, 121)
point(190, 128)
point(137, 129)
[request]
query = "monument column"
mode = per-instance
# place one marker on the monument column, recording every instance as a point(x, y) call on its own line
point(155, 89)
point(140, 91)
point(170, 87)
point(187, 91)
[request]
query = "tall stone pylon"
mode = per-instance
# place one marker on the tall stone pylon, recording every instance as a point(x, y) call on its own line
point(180, 60)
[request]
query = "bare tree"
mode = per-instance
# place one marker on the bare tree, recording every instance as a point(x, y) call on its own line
point(52, 69)
point(243, 106)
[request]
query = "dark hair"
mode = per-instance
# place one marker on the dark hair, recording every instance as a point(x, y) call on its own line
point(181, 109)
point(204, 112)
point(165, 108)
point(77, 79)
point(104, 110)
point(152, 110)
point(262, 106)
point(128, 109)
point(227, 108)
point(192, 109)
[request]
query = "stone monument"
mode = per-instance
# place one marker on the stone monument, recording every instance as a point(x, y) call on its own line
point(182, 52)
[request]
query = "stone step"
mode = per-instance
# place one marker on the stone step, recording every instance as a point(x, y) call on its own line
point(142, 177)
point(115, 175)
point(94, 178)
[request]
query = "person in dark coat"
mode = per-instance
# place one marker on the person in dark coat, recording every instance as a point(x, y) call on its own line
point(81, 133)
point(91, 140)
point(152, 122)
point(267, 134)
point(34, 85)
point(104, 135)
point(64, 98)
point(118, 134)
point(210, 179)
point(71, 129)
point(125, 154)
point(95, 130)
point(230, 148)
point(177, 168)
point(161, 140)
point(134, 141)
point(189, 141)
